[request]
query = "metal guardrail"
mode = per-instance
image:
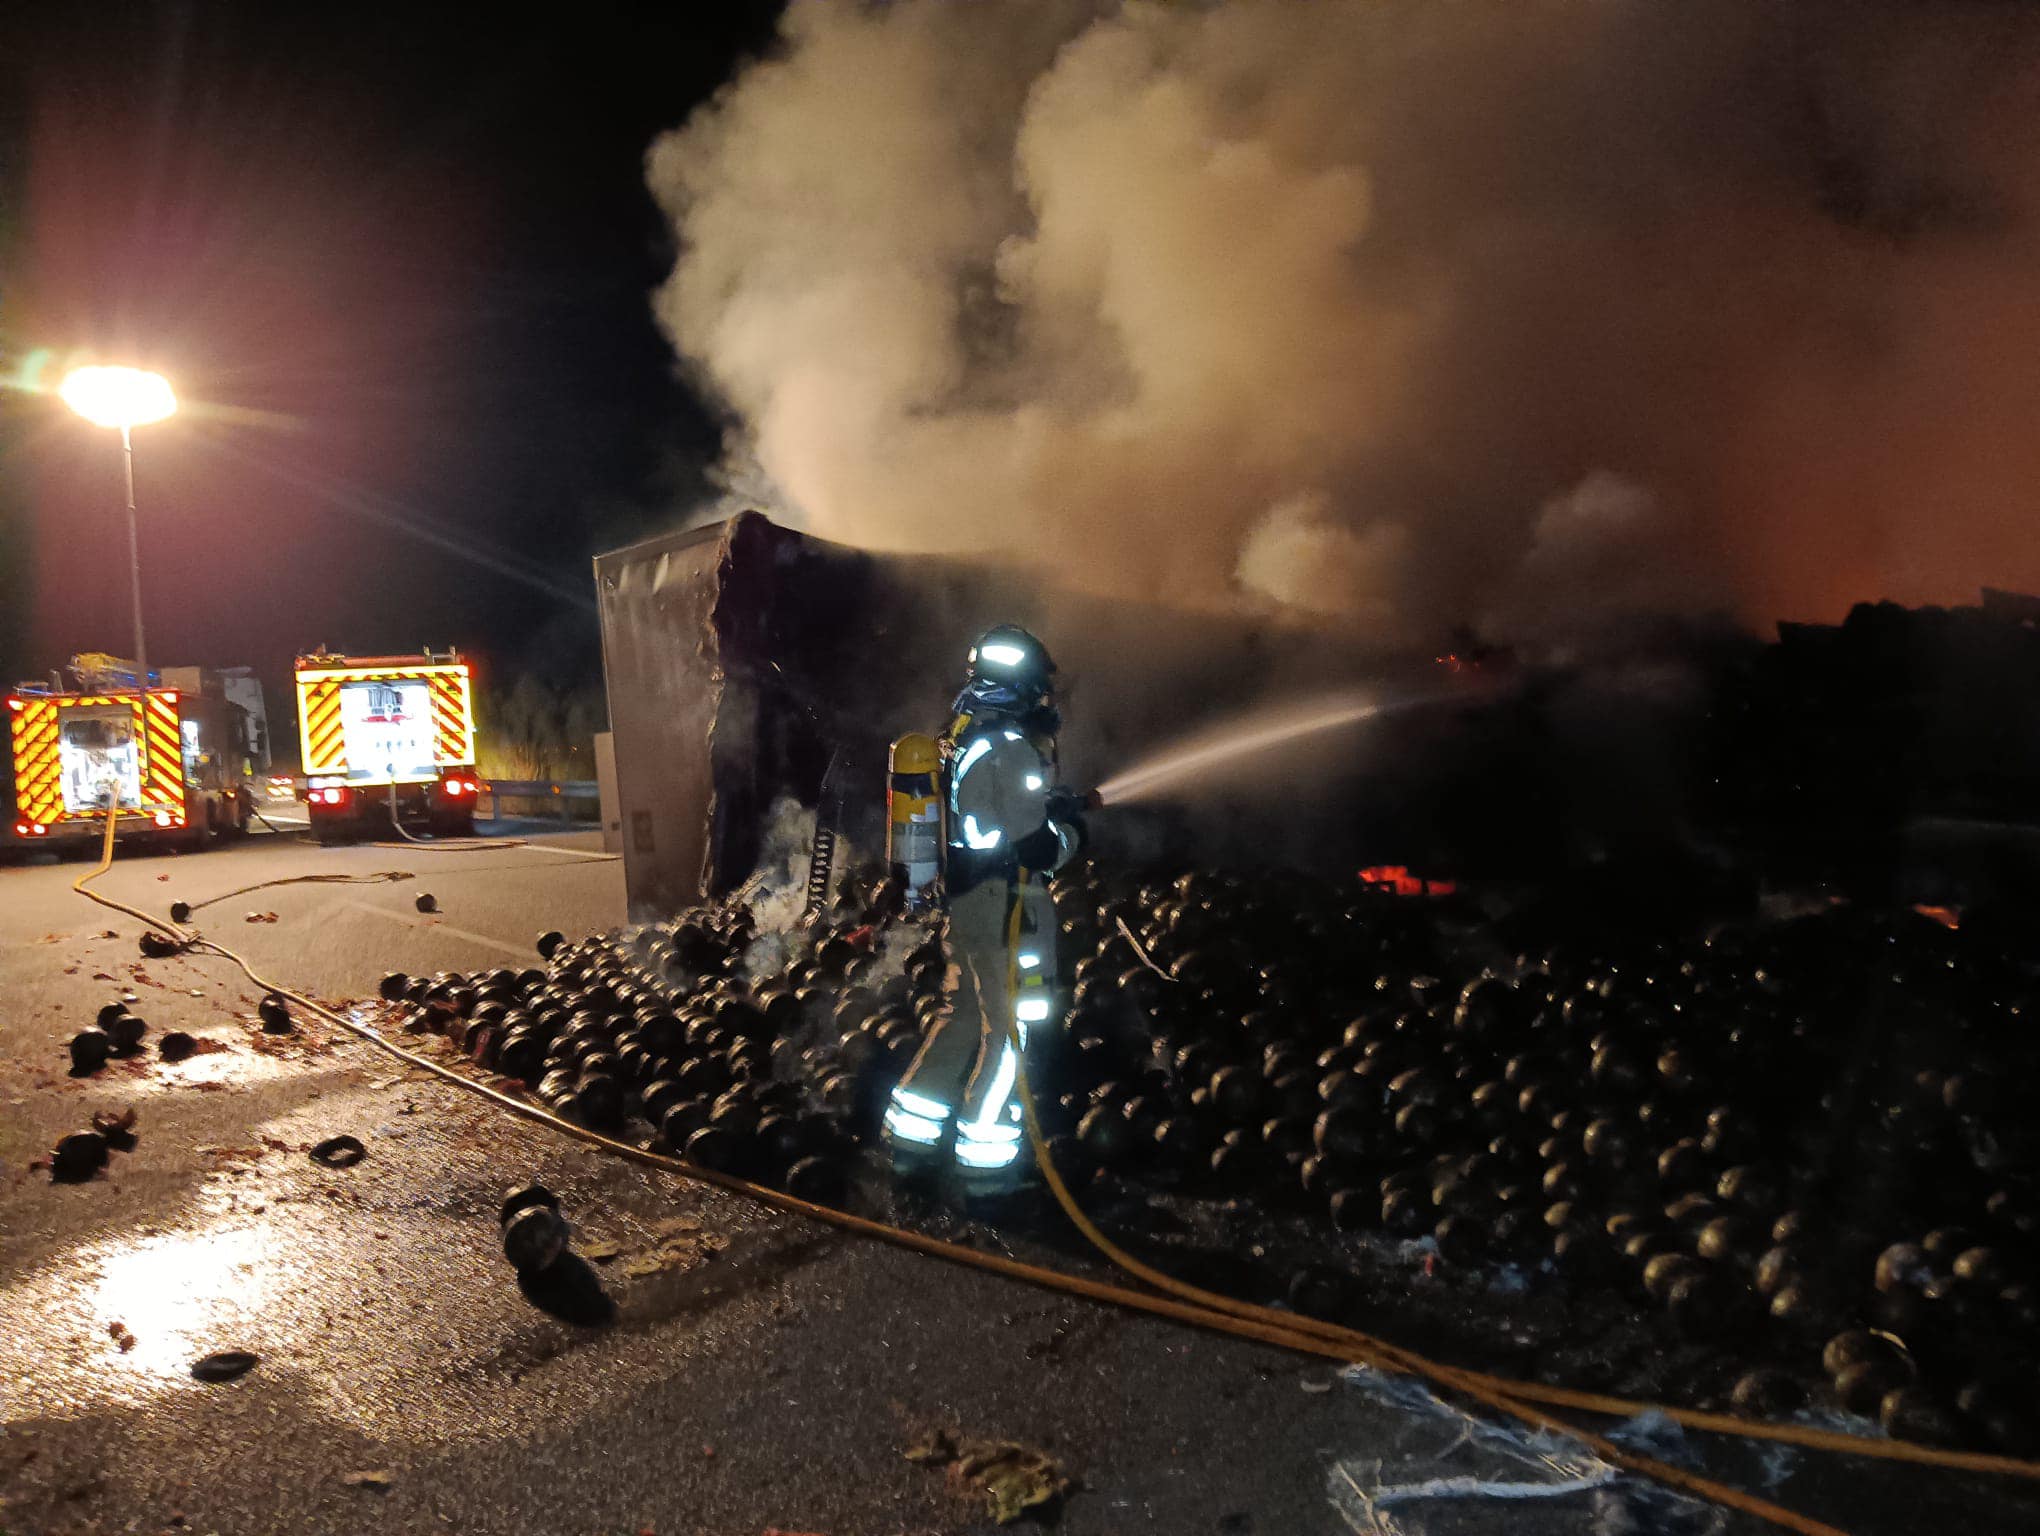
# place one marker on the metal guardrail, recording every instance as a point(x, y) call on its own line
point(544, 797)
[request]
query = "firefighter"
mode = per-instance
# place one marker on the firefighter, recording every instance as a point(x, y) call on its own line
point(1009, 828)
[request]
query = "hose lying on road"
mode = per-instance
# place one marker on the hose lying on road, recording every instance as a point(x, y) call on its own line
point(474, 844)
point(1181, 1303)
point(279, 831)
point(380, 877)
point(445, 844)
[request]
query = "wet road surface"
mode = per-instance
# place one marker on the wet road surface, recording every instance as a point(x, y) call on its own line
point(758, 1372)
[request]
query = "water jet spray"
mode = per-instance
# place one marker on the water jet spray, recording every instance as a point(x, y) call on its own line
point(1203, 755)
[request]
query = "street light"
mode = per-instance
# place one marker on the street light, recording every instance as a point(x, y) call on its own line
point(126, 398)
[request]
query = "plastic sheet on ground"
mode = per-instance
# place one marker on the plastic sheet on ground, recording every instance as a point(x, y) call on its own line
point(1434, 1470)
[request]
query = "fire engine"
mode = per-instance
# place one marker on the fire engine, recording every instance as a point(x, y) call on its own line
point(175, 754)
point(387, 738)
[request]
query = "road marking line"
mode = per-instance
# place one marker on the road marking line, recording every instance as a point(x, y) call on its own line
point(572, 853)
point(518, 950)
point(512, 847)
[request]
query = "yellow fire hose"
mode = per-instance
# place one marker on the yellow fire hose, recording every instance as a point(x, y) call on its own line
point(1180, 1302)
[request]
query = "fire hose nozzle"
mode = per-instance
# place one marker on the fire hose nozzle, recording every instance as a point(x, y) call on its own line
point(1070, 802)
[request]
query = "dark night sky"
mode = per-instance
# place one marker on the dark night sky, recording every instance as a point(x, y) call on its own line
point(397, 262)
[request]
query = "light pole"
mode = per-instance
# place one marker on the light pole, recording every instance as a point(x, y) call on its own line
point(125, 398)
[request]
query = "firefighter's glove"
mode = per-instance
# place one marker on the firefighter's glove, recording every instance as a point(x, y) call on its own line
point(1067, 805)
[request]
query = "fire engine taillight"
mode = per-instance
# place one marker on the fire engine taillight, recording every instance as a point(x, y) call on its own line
point(164, 818)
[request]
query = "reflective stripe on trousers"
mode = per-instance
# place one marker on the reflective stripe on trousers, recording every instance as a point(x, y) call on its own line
point(967, 1065)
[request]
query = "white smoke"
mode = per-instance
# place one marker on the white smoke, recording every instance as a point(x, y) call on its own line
point(777, 892)
point(1341, 304)
point(1598, 558)
point(1302, 558)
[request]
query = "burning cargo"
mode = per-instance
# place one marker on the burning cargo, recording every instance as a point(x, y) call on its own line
point(1752, 1169)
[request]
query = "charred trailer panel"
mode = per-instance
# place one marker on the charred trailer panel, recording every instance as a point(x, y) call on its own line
point(660, 673)
point(713, 719)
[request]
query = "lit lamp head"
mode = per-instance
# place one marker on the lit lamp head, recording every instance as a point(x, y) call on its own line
point(118, 397)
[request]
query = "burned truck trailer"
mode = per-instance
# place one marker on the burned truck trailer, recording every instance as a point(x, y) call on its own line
point(748, 664)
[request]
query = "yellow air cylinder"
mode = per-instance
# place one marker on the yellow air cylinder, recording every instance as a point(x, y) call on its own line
point(913, 830)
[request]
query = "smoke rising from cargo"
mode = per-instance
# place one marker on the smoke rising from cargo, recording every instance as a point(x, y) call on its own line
point(1387, 314)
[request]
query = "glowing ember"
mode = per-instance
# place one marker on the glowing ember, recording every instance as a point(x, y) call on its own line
point(1397, 880)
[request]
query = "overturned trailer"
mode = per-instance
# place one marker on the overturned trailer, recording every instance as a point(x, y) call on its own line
point(746, 662)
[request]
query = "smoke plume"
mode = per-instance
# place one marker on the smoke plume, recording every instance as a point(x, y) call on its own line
point(1401, 314)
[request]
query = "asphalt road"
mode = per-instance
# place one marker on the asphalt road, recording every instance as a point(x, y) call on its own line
point(759, 1373)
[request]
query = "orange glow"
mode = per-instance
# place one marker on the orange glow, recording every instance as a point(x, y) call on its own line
point(1397, 880)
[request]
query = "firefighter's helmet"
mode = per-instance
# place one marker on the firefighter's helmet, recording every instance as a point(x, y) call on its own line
point(1009, 669)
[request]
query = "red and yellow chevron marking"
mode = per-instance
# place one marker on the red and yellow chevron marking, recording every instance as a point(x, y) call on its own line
point(38, 776)
point(324, 743)
point(453, 718)
point(38, 790)
point(163, 771)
